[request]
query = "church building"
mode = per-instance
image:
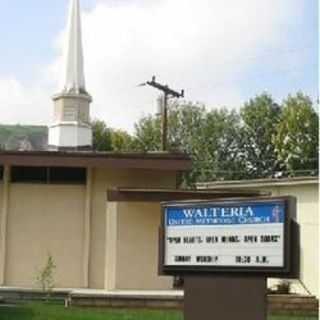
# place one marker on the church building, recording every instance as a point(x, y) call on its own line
point(54, 202)
point(97, 214)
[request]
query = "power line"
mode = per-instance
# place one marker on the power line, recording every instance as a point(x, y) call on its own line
point(168, 93)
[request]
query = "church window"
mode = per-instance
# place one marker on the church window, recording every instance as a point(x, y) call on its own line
point(68, 175)
point(48, 175)
point(29, 174)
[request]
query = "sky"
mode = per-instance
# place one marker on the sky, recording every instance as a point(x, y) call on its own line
point(221, 52)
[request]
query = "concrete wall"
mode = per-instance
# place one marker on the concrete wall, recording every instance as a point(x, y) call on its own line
point(42, 220)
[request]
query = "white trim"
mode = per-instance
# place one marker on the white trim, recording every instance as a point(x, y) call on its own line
point(70, 135)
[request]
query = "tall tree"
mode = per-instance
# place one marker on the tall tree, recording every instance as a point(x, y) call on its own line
point(223, 142)
point(187, 134)
point(108, 139)
point(101, 136)
point(147, 135)
point(209, 138)
point(259, 141)
point(260, 117)
point(297, 139)
point(121, 141)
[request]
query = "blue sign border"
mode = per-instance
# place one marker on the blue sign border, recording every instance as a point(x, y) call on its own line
point(243, 214)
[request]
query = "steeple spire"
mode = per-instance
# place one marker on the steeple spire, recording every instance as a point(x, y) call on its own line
point(74, 81)
point(71, 128)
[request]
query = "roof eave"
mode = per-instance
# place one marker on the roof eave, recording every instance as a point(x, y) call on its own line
point(258, 183)
point(152, 161)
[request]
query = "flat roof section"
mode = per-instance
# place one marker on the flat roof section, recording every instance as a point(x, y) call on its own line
point(154, 161)
point(258, 183)
point(161, 195)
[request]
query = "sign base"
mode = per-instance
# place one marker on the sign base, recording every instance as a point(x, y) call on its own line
point(225, 297)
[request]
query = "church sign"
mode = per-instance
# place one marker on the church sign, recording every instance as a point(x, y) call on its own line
point(225, 236)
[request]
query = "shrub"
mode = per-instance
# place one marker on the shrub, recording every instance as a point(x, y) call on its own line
point(45, 277)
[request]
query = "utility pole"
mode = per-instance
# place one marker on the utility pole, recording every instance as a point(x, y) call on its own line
point(167, 94)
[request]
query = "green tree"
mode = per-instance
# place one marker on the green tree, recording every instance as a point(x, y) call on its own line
point(108, 139)
point(185, 126)
point(121, 141)
point(101, 136)
point(147, 136)
point(260, 141)
point(222, 143)
point(297, 139)
point(210, 138)
point(45, 276)
point(260, 117)
point(187, 134)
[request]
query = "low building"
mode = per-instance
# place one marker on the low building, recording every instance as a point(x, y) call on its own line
point(56, 203)
point(96, 214)
point(306, 190)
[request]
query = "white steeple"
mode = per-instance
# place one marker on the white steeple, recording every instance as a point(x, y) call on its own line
point(71, 128)
point(74, 80)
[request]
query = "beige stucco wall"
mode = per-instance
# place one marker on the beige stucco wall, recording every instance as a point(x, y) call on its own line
point(102, 180)
point(137, 247)
point(1, 195)
point(123, 251)
point(1, 191)
point(44, 219)
point(1, 212)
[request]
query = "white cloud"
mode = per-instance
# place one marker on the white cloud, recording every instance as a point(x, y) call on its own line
point(23, 104)
point(202, 46)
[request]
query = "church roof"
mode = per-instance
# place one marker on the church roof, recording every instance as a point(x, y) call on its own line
point(160, 195)
point(27, 146)
point(150, 160)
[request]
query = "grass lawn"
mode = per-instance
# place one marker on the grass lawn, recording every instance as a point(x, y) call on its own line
point(58, 312)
